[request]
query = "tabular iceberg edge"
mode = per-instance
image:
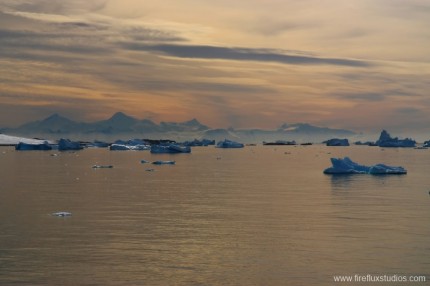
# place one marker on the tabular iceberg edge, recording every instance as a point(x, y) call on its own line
point(347, 166)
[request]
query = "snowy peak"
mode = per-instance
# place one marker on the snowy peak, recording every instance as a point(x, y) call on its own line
point(307, 128)
point(122, 118)
point(191, 125)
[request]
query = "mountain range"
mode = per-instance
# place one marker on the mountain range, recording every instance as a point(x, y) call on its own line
point(121, 125)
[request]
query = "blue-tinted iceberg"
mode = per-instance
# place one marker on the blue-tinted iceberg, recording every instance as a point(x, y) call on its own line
point(229, 144)
point(337, 142)
point(347, 166)
point(66, 144)
point(21, 146)
point(385, 140)
point(170, 149)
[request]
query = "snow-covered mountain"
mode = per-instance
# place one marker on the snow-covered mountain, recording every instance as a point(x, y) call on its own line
point(121, 125)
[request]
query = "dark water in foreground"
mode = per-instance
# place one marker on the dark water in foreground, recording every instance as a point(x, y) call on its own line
point(254, 216)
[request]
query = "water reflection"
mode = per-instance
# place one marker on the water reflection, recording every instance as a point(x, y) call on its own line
point(253, 217)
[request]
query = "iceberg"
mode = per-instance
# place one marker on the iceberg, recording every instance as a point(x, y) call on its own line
point(102, 166)
point(337, 142)
point(171, 149)
point(385, 140)
point(196, 142)
point(164, 162)
point(119, 147)
point(99, 144)
point(347, 166)
point(66, 144)
point(229, 144)
point(61, 214)
point(21, 146)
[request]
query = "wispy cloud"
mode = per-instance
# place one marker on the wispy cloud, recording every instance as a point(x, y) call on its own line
point(243, 54)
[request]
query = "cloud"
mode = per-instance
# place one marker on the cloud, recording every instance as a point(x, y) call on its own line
point(408, 110)
point(243, 54)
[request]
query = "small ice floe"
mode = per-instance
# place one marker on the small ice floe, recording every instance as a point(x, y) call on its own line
point(102, 167)
point(347, 166)
point(164, 162)
point(144, 161)
point(61, 214)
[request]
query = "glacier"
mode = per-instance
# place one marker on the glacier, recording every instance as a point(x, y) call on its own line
point(347, 166)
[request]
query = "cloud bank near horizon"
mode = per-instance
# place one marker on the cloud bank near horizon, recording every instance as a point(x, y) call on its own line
point(274, 61)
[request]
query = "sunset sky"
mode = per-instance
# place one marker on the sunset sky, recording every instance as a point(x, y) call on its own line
point(362, 65)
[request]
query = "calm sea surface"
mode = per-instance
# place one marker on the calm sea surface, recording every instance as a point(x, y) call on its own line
point(263, 215)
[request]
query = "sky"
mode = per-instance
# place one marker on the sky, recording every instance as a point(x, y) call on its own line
point(361, 65)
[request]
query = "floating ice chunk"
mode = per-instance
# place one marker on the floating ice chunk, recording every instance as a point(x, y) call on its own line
point(22, 146)
point(140, 147)
point(119, 147)
point(347, 166)
point(102, 166)
point(61, 214)
point(337, 142)
point(66, 144)
point(171, 148)
point(164, 162)
point(229, 144)
point(381, 169)
point(196, 142)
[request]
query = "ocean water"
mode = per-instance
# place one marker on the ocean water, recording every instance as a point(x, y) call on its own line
point(263, 215)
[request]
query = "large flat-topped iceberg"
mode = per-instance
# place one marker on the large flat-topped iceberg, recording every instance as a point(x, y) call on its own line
point(347, 166)
point(14, 140)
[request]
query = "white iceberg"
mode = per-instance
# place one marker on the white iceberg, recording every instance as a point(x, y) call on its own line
point(14, 140)
point(61, 214)
point(347, 166)
point(119, 147)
